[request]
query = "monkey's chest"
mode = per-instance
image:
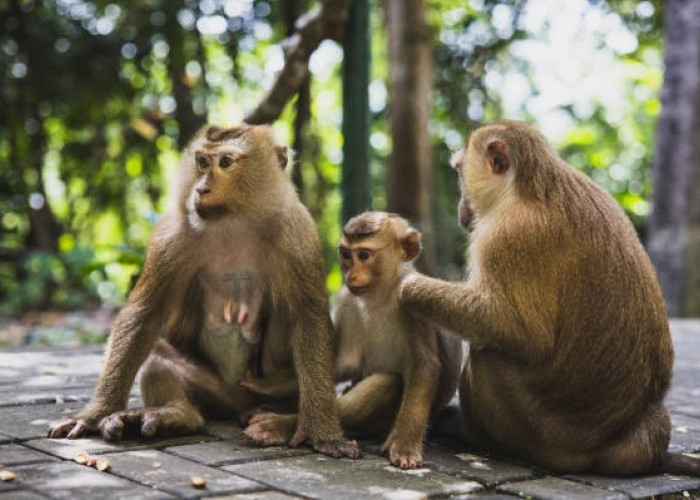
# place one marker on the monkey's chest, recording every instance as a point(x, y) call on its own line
point(233, 298)
point(385, 346)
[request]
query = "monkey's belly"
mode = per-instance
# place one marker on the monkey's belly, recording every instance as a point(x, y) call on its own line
point(228, 351)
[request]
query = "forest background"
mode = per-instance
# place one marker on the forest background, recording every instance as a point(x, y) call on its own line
point(97, 99)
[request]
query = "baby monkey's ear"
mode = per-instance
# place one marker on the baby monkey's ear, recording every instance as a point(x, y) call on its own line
point(410, 244)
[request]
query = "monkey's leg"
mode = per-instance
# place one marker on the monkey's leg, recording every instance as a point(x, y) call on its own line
point(470, 430)
point(641, 450)
point(173, 388)
point(371, 405)
point(405, 441)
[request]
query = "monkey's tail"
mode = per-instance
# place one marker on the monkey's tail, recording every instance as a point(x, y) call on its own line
point(684, 465)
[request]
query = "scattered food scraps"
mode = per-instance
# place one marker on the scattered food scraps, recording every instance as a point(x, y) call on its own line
point(7, 475)
point(198, 482)
point(81, 458)
point(99, 463)
point(102, 464)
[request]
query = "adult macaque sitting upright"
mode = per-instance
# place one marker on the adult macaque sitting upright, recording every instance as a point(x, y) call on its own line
point(234, 281)
point(570, 351)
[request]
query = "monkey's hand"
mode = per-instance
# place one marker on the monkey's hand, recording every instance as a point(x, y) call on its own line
point(336, 448)
point(271, 387)
point(73, 428)
point(270, 429)
point(402, 453)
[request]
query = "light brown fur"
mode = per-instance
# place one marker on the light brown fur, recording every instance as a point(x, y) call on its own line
point(404, 368)
point(234, 279)
point(570, 351)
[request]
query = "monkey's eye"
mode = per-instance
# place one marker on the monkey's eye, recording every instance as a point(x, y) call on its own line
point(226, 161)
point(345, 254)
point(203, 161)
point(364, 254)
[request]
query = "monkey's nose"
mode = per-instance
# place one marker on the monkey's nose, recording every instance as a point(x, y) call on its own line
point(203, 190)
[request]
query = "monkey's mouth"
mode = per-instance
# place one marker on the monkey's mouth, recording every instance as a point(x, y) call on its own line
point(359, 290)
point(209, 211)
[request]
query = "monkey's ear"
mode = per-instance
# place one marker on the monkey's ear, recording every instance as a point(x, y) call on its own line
point(497, 156)
point(282, 156)
point(410, 244)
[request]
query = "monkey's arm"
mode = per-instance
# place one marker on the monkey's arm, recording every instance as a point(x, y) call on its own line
point(421, 378)
point(346, 332)
point(485, 319)
point(282, 386)
point(134, 332)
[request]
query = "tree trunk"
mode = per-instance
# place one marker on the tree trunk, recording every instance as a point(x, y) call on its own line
point(187, 120)
point(355, 185)
point(293, 10)
point(409, 175)
point(674, 227)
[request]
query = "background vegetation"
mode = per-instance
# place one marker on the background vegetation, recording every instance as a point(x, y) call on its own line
point(98, 97)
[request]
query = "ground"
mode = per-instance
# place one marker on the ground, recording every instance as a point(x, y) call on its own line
point(39, 386)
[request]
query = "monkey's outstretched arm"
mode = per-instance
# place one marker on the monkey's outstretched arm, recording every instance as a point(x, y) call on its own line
point(133, 335)
point(486, 319)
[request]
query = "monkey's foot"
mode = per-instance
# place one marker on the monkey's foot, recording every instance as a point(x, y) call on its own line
point(150, 422)
point(72, 429)
point(270, 429)
point(403, 456)
point(338, 449)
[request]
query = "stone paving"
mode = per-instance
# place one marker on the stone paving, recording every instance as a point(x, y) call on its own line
point(37, 387)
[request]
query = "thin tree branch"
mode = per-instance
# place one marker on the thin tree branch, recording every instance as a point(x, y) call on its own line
point(325, 21)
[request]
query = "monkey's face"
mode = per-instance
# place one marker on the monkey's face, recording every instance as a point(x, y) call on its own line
point(485, 179)
point(465, 212)
point(362, 263)
point(372, 263)
point(219, 171)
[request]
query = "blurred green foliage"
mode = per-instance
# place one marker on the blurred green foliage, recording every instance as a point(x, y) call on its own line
point(98, 97)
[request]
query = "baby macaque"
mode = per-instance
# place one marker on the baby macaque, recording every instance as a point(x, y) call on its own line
point(404, 368)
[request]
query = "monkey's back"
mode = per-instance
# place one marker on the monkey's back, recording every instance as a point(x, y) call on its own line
point(598, 310)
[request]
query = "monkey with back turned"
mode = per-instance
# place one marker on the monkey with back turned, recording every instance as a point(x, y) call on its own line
point(570, 351)
point(234, 281)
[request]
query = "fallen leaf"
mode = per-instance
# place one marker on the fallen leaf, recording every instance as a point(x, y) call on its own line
point(198, 482)
point(7, 475)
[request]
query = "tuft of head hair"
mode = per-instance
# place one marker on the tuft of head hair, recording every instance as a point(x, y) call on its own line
point(369, 223)
point(220, 134)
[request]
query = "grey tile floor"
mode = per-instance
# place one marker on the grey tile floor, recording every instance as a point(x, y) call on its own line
point(37, 387)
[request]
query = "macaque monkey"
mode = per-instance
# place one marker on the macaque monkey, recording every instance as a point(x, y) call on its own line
point(570, 352)
point(404, 367)
point(234, 281)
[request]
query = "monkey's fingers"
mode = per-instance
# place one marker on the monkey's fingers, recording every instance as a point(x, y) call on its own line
point(254, 386)
point(114, 426)
point(71, 429)
point(338, 449)
point(264, 434)
point(409, 460)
